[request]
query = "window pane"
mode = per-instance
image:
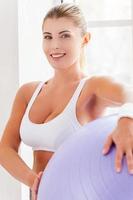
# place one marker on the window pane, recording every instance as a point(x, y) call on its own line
point(110, 51)
point(106, 9)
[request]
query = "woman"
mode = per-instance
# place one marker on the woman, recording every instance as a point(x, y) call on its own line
point(45, 114)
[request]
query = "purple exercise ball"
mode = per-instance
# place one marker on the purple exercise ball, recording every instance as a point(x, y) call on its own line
point(79, 171)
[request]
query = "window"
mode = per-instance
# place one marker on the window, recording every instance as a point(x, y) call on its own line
point(111, 47)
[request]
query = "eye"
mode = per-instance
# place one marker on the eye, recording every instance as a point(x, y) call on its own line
point(47, 37)
point(65, 36)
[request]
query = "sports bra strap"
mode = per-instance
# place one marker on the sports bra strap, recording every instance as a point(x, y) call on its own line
point(37, 90)
point(78, 90)
point(72, 101)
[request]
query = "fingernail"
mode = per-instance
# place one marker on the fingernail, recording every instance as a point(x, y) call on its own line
point(118, 170)
point(103, 151)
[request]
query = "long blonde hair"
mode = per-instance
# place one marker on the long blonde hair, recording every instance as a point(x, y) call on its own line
point(74, 13)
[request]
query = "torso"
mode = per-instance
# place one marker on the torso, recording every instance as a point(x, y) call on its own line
point(86, 105)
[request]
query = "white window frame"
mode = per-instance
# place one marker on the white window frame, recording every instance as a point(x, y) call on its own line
point(111, 23)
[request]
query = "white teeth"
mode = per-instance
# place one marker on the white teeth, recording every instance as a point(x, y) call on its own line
point(57, 55)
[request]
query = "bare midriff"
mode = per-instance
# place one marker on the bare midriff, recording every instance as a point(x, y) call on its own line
point(41, 159)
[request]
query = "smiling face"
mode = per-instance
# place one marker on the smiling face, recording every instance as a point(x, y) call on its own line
point(62, 42)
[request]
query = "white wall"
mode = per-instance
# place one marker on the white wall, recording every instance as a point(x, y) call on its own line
point(32, 62)
point(9, 188)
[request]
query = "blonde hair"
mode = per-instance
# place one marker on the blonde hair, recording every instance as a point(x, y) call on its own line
point(74, 13)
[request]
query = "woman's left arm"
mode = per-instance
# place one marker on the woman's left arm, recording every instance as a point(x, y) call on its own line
point(114, 93)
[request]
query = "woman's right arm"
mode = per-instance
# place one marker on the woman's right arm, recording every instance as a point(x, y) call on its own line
point(10, 142)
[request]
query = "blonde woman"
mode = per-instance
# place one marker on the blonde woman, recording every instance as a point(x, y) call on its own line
point(45, 114)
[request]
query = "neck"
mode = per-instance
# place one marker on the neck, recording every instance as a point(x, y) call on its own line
point(69, 75)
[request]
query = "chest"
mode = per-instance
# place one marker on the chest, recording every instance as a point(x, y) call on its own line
point(50, 103)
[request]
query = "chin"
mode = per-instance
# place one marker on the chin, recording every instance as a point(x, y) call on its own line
point(60, 66)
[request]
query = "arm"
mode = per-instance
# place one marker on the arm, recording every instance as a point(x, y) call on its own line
point(10, 142)
point(112, 93)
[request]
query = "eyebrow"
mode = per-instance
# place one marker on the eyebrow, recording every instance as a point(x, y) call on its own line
point(59, 32)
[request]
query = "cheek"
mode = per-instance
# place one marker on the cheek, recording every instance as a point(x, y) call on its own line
point(75, 49)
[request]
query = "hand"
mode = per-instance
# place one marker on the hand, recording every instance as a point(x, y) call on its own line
point(122, 137)
point(35, 186)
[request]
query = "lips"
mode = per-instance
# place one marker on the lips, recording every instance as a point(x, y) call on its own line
point(57, 55)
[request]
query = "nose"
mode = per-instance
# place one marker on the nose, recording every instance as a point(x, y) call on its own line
point(55, 44)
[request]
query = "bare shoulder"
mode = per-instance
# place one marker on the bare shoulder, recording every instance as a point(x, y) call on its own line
point(11, 134)
point(27, 90)
point(97, 83)
point(107, 89)
point(94, 80)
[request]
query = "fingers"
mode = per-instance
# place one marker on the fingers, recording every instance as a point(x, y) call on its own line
point(34, 190)
point(118, 159)
point(124, 147)
point(38, 180)
point(33, 195)
point(40, 175)
point(36, 186)
point(107, 144)
point(129, 158)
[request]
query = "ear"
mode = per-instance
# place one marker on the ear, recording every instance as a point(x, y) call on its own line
point(86, 38)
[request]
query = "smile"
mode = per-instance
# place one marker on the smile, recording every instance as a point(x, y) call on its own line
point(57, 55)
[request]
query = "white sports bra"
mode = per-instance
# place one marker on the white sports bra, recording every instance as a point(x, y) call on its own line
point(48, 136)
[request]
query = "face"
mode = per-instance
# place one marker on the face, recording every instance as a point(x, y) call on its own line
point(62, 42)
